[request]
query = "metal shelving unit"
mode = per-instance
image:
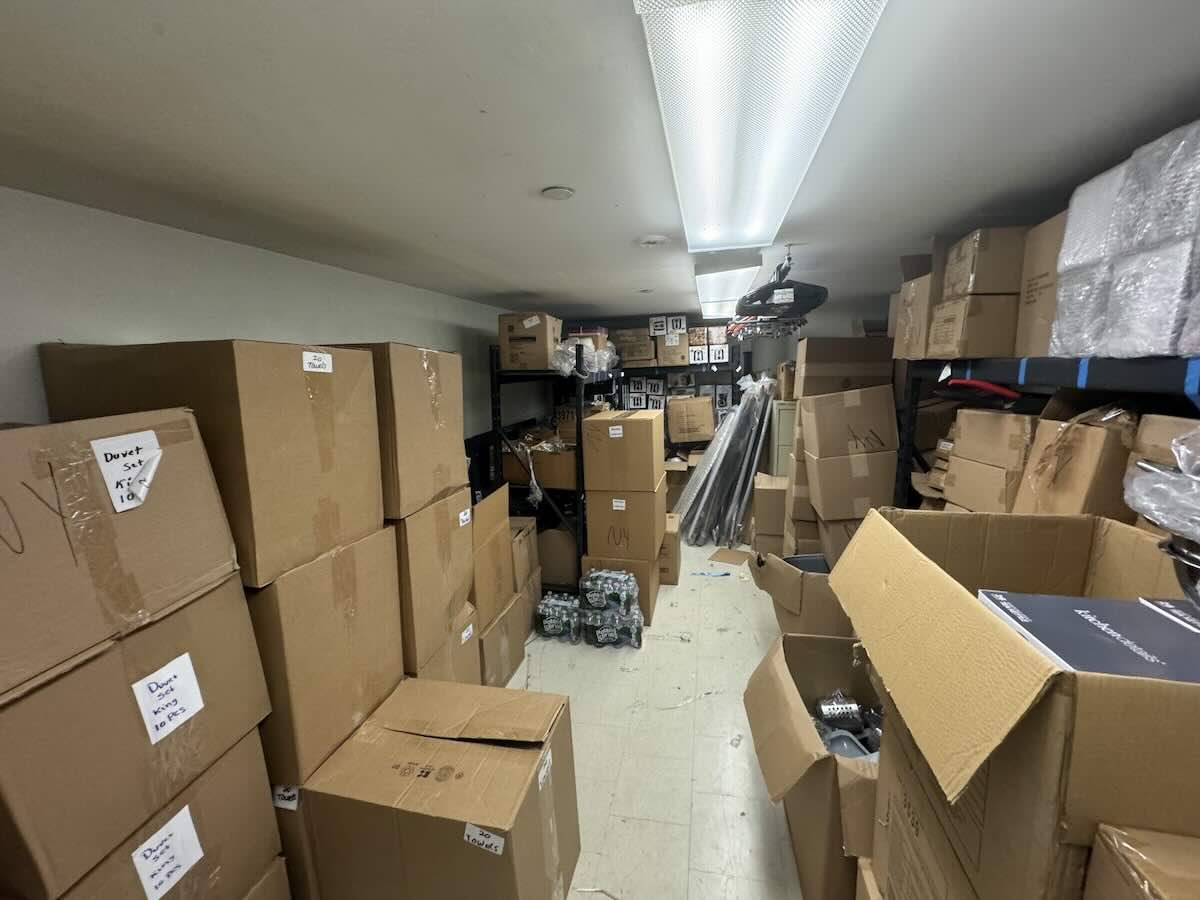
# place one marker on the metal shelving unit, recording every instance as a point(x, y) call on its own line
point(1153, 375)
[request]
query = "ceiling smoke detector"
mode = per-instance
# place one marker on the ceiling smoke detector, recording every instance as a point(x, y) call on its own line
point(558, 192)
point(653, 240)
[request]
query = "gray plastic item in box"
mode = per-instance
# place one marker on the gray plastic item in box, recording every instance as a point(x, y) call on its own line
point(1090, 231)
point(1160, 199)
point(1149, 301)
point(1080, 321)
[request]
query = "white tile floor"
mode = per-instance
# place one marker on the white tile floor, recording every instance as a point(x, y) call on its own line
point(671, 801)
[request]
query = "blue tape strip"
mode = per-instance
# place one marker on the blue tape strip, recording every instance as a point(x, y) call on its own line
point(1021, 370)
point(1191, 380)
point(970, 366)
point(1081, 381)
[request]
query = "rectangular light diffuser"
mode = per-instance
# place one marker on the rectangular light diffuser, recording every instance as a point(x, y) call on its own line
point(719, 292)
point(747, 89)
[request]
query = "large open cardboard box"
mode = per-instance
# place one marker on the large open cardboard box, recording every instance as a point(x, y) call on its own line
point(829, 800)
point(804, 603)
point(1020, 759)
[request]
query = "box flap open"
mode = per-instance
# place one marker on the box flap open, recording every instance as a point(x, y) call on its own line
point(489, 514)
point(469, 712)
point(784, 582)
point(857, 779)
point(960, 677)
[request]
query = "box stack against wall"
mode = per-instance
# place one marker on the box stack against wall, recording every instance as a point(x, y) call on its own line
point(990, 450)
point(625, 478)
point(131, 688)
point(527, 340)
point(636, 347)
point(977, 312)
point(769, 508)
point(691, 420)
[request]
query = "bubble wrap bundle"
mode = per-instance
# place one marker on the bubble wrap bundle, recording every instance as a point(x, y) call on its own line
point(1149, 300)
point(1091, 221)
point(1160, 199)
point(1080, 321)
point(562, 360)
point(1170, 498)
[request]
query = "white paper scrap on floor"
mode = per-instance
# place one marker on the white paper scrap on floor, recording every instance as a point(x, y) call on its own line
point(672, 804)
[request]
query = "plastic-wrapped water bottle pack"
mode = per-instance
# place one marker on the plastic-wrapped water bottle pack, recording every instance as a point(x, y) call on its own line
point(605, 614)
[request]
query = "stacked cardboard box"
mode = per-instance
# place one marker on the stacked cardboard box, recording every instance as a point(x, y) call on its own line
point(131, 688)
point(527, 340)
point(690, 419)
point(670, 557)
point(678, 472)
point(999, 763)
point(915, 307)
point(625, 479)
point(988, 458)
point(672, 349)
point(977, 312)
point(770, 513)
point(800, 533)
point(828, 365)
point(850, 442)
point(635, 346)
point(1039, 287)
point(504, 618)
point(1136, 864)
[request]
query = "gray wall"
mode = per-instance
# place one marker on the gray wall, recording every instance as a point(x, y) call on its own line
point(72, 273)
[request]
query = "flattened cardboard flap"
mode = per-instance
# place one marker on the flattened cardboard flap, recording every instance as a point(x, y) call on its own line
point(489, 514)
point(469, 712)
point(784, 582)
point(960, 677)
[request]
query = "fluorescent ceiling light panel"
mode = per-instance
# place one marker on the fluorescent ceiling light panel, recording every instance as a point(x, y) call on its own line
point(729, 285)
point(719, 309)
point(747, 89)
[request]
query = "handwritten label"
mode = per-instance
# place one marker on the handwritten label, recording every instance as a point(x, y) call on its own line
point(618, 504)
point(676, 325)
point(672, 340)
point(286, 796)
point(531, 321)
point(484, 840)
point(464, 518)
point(467, 632)
point(544, 768)
point(313, 361)
point(163, 860)
point(658, 325)
point(128, 463)
point(168, 697)
point(698, 355)
point(616, 431)
point(718, 353)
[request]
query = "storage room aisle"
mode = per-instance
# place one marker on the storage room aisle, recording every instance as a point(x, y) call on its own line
point(671, 800)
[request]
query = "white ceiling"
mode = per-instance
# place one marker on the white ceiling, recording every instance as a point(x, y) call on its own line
point(409, 140)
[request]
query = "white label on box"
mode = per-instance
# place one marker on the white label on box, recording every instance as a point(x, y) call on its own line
point(484, 840)
point(618, 504)
point(467, 632)
point(464, 518)
point(544, 768)
point(658, 325)
point(655, 386)
point(637, 385)
point(530, 322)
point(616, 431)
point(163, 860)
point(286, 796)
point(637, 401)
point(718, 353)
point(672, 340)
point(676, 325)
point(128, 463)
point(317, 362)
point(168, 697)
point(653, 402)
point(698, 355)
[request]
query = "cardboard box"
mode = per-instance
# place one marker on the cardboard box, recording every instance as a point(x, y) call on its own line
point(502, 644)
point(558, 556)
point(273, 885)
point(829, 800)
point(935, 418)
point(866, 888)
point(973, 326)
point(1134, 864)
point(82, 572)
point(770, 503)
point(419, 400)
point(552, 468)
point(979, 487)
point(799, 506)
point(329, 637)
point(646, 573)
point(678, 473)
point(670, 556)
point(623, 451)
point(698, 336)
point(785, 375)
point(845, 487)
point(457, 659)
point(527, 600)
point(828, 365)
point(860, 421)
point(436, 573)
point(995, 438)
point(835, 536)
point(986, 261)
point(627, 524)
point(527, 340)
point(1039, 287)
point(690, 419)
point(113, 765)
point(1075, 469)
point(628, 335)
point(1154, 436)
point(641, 349)
point(800, 538)
point(639, 364)
point(564, 419)
point(804, 603)
point(767, 543)
point(1035, 753)
point(524, 549)
point(295, 835)
point(912, 318)
point(485, 808)
point(672, 349)
point(913, 857)
point(291, 432)
point(213, 840)
point(492, 587)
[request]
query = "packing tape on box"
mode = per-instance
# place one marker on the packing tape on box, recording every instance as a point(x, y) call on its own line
point(320, 388)
point(862, 506)
point(859, 467)
point(546, 795)
point(431, 363)
point(852, 399)
point(845, 368)
point(344, 569)
point(327, 523)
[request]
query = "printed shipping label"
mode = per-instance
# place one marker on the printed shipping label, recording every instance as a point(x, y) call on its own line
point(314, 361)
point(484, 840)
point(169, 697)
point(544, 768)
point(286, 796)
point(163, 860)
point(464, 518)
point(672, 340)
point(128, 463)
point(531, 321)
point(467, 632)
point(616, 431)
point(618, 504)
